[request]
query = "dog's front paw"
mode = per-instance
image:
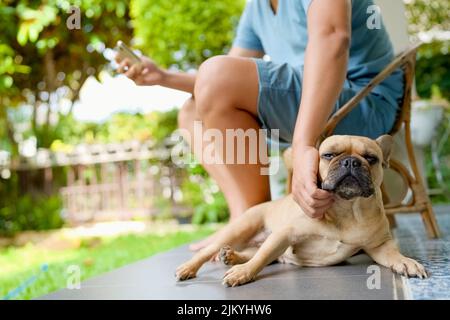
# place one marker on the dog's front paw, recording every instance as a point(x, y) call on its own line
point(409, 268)
point(187, 270)
point(238, 275)
point(228, 256)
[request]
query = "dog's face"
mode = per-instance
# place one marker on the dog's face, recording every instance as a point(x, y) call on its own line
point(352, 166)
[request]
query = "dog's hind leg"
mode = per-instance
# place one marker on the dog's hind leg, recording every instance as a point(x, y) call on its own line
point(236, 232)
point(274, 246)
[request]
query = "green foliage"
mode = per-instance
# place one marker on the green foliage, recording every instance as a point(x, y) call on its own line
point(184, 32)
point(202, 194)
point(21, 211)
point(43, 56)
point(216, 211)
point(432, 69)
point(424, 15)
point(155, 125)
point(444, 158)
point(122, 126)
point(30, 213)
point(9, 67)
point(432, 60)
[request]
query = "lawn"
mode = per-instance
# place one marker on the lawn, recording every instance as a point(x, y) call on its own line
point(18, 266)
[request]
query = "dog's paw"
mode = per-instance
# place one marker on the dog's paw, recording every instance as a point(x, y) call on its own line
point(228, 256)
point(409, 268)
point(186, 271)
point(238, 275)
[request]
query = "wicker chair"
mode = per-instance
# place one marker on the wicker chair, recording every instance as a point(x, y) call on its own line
point(419, 200)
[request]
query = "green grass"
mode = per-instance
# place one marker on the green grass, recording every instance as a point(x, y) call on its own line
point(19, 264)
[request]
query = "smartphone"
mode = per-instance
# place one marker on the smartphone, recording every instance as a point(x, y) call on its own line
point(126, 52)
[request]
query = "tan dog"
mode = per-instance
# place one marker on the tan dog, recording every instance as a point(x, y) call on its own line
point(352, 168)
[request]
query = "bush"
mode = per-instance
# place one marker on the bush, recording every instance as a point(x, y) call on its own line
point(202, 193)
point(120, 127)
point(31, 213)
point(184, 32)
point(432, 68)
point(430, 16)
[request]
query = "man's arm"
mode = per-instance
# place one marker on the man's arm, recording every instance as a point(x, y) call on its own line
point(148, 73)
point(325, 68)
point(186, 81)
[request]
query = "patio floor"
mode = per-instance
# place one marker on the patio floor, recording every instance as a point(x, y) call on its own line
point(153, 278)
point(433, 254)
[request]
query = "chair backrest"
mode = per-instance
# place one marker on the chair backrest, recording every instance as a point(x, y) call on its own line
point(409, 66)
point(406, 60)
point(394, 18)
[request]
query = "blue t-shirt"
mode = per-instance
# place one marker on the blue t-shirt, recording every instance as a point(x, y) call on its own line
point(283, 37)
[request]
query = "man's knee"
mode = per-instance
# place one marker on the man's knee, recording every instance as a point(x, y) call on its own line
point(211, 85)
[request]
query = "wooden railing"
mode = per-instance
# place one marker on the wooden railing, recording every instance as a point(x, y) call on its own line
point(111, 181)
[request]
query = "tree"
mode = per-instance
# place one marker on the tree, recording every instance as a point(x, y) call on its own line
point(43, 66)
point(184, 33)
point(47, 62)
point(427, 15)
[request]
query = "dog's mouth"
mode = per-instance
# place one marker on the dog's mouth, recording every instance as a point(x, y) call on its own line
point(349, 185)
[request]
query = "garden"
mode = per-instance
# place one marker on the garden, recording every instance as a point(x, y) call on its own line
point(44, 66)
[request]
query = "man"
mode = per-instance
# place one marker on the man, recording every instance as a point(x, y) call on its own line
point(322, 52)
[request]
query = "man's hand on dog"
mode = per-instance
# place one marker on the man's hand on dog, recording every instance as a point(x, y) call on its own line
point(314, 201)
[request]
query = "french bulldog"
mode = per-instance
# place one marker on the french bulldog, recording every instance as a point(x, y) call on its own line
point(352, 168)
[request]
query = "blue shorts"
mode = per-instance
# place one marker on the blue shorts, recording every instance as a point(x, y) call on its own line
point(280, 88)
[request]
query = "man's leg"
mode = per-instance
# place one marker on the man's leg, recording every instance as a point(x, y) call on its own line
point(226, 97)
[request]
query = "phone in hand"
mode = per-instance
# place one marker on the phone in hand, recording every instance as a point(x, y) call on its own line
point(125, 52)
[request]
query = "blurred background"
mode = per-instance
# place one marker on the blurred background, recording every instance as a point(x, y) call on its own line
point(85, 171)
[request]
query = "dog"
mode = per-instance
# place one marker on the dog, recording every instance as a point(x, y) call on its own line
point(352, 168)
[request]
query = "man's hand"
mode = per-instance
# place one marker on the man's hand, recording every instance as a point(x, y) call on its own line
point(146, 73)
point(312, 200)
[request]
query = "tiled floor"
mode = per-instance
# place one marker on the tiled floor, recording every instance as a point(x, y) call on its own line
point(433, 254)
point(153, 278)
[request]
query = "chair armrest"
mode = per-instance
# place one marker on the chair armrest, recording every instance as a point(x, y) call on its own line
point(399, 61)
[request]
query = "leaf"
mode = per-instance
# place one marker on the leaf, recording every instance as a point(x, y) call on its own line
point(8, 81)
point(33, 32)
point(22, 34)
point(23, 69)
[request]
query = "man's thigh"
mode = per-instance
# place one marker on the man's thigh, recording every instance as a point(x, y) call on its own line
point(230, 81)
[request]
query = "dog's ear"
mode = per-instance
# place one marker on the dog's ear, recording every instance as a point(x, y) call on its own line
point(385, 142)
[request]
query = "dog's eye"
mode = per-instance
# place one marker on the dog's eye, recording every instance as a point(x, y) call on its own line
point(371, 159)
point(328, 155)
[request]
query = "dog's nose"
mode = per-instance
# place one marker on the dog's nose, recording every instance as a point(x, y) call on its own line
point(350, 162)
